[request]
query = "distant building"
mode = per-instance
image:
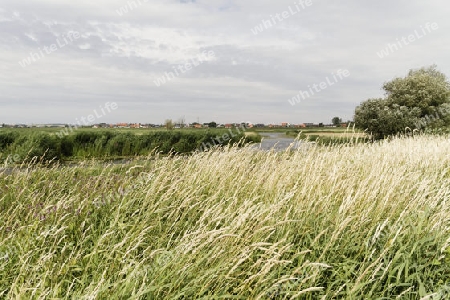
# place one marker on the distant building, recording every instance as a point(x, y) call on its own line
point(103, 125)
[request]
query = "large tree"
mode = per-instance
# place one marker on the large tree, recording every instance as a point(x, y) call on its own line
point(425, 88)
point(419, 100)
point(381, 119)
point(336, 121)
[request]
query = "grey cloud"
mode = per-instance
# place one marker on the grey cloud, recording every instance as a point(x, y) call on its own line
point(252, 76)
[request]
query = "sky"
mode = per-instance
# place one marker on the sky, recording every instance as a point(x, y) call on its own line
point(256, 61)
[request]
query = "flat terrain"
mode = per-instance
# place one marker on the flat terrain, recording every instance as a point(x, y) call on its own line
point(335, 133)
point(364, 221)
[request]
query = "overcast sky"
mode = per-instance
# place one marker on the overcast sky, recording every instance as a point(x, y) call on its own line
point(61, 60)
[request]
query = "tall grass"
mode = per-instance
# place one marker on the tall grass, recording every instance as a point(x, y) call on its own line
point(339, 222)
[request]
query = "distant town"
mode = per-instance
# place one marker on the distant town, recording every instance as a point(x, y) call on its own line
point(177, 125)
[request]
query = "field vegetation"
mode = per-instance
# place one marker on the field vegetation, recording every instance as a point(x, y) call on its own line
point(97, 143)
point(329, 136)
point(349, 221)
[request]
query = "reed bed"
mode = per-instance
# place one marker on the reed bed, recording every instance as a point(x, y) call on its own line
point(353, 221)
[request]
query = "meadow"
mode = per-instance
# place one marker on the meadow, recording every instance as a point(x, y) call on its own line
point(348, 221)
point(329, 135)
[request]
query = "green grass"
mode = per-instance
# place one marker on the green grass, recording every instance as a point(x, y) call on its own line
point(329, 137)
point(366, 221)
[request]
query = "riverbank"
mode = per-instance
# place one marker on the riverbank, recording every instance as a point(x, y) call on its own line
point(24, 145)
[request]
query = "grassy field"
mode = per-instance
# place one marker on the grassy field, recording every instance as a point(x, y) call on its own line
point(364, 221)
point(329, 136)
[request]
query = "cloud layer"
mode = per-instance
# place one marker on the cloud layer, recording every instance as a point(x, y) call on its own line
point(125, 46)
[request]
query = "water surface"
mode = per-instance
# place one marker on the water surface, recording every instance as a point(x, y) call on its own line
point(277, 141)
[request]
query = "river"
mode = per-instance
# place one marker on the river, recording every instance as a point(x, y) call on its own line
point(277, 141)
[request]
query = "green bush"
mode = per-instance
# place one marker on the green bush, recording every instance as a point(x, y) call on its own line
point(110, 144)
point(6, 139)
